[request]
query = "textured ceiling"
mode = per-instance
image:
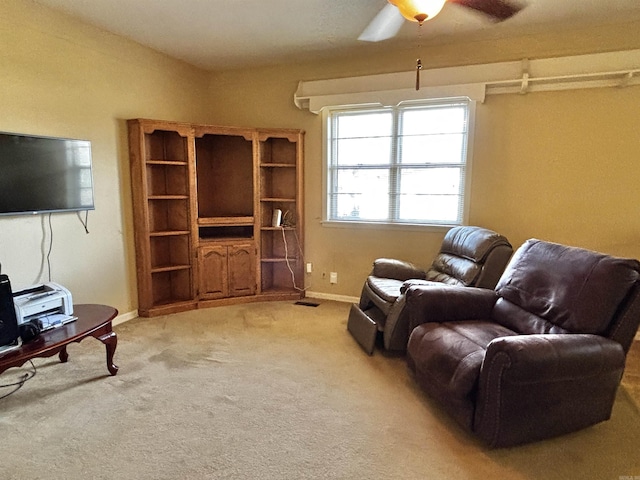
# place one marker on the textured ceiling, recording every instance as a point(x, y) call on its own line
point(227, 34)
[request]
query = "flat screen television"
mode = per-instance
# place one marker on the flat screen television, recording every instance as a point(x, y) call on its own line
point(44, 174)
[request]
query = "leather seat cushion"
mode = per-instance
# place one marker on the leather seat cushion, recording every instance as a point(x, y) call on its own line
point(388, 289)
point(447, 356)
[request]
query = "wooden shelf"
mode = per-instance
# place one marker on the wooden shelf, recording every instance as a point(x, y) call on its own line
point(169, 268)
point(283, 200)
point(204, 241)
point(168, 233)
point(168, 197)
point(175, 163)
point(214, 221)
point(277, 165)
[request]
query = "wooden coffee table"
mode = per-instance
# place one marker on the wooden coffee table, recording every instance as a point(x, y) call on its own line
point(93, 321)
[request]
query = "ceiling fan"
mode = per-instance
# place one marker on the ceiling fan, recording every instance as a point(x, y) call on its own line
point(390, 19)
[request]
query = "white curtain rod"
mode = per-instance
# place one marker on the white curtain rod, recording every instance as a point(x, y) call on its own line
point(611, 69)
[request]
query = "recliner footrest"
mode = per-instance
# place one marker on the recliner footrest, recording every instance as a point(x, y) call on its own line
point(362, 328)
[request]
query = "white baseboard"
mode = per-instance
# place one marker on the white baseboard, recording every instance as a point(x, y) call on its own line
point(125, 317)
point(331, 296)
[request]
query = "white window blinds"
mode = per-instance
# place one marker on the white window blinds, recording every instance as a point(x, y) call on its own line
point(403, 164)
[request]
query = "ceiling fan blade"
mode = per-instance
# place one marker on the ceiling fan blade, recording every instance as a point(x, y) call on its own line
point(385, 25)
point(497, 9)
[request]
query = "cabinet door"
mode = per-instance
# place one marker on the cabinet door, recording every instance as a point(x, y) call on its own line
point(213, 272)
point(242, 270)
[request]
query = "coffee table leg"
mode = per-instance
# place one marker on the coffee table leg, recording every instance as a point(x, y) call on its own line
point(63, 355)
point(110, 340)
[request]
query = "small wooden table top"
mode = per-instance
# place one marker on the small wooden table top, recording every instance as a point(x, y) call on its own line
point(92, 321)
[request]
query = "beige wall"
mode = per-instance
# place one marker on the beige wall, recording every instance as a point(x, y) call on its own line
point(561, 166)
point(62, 78)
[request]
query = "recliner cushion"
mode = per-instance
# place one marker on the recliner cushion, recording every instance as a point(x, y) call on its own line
point(521, 321)
point(575, 289)
point(473, 243)
point(453, 270)
point(387, 289)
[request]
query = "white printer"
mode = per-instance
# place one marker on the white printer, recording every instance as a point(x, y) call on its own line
point(49, 305)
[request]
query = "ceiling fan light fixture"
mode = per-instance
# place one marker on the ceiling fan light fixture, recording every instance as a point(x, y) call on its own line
point(418, 10)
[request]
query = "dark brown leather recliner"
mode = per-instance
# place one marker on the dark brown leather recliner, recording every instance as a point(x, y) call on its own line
point(541, 355)
point(469, 256)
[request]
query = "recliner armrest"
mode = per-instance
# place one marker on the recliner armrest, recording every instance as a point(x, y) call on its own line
point(564, 382)
point(396, 269)
point(448, 303)
point(416, 281)
point(551, 357)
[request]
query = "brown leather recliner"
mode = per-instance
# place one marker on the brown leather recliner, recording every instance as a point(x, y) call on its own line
point(541, 355)
point(469, 256)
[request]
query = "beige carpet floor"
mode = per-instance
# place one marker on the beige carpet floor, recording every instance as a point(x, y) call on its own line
point(266, 391)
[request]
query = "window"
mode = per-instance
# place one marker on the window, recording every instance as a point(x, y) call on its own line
point(405, 164)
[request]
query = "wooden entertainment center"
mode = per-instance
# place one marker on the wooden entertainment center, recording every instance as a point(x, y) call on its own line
point(204, 198)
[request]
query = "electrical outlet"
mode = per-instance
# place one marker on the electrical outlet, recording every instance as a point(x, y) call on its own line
point(333, 277)
point(309, 267)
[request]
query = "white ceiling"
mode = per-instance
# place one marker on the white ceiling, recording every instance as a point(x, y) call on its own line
point(227, 34)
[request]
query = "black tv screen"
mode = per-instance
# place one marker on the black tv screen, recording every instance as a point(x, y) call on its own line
point(44, 174)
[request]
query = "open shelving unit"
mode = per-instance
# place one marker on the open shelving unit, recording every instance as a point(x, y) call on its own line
point(162, 215)
point(204, 198)
point(281, 259)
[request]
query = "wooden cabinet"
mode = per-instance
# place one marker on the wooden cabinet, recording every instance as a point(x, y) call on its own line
point(204, 199)
point(227, 270)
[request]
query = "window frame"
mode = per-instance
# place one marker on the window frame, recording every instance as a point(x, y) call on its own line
point(327, 115)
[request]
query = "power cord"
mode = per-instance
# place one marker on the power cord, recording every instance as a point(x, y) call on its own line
point(286, 257)
point(84, 223)
point(50, 247)
point(86, 220)
point(18, 384)
point(287, 220)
